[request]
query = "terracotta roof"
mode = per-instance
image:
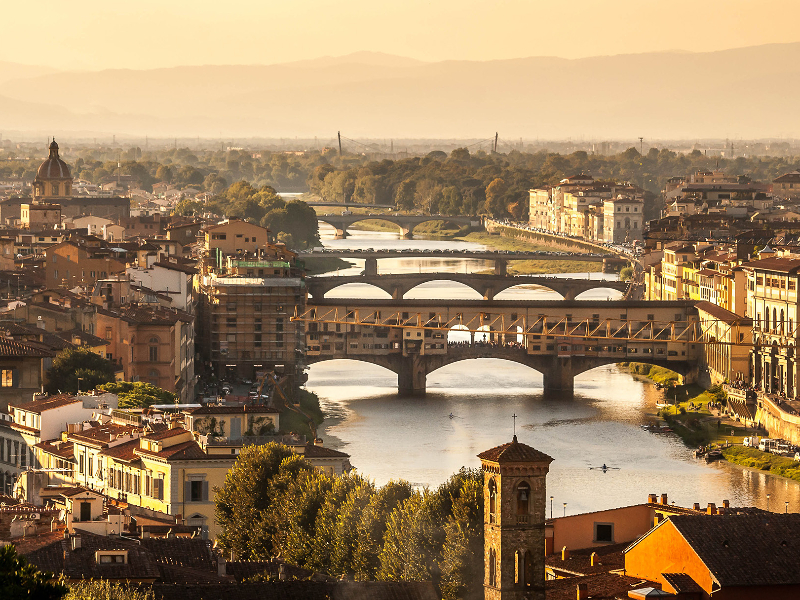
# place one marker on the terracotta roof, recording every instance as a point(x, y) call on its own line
point(745, 550)
point(314, 451)
point(783, 265)
point(148, 314)
point(244, 569)
point(38, 406)
point(514, 451)
point(10, 348)
point(580, 561)
point(102, 435)
point(166, 433)
point(184, 451)
point(682, 583)
point(720, 313)
point(600, 586)
point(64, 450)
point(178, 265)
point(125, 452)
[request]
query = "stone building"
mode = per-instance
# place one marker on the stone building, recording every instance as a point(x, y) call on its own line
point(514, 521)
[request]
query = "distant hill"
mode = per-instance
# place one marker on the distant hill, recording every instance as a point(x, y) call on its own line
point(746, 92)
point(12, 70)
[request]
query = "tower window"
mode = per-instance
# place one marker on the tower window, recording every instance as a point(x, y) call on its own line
point(492, 501)
point(523, 498)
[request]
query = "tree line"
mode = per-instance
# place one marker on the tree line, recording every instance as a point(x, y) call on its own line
point(274, 503)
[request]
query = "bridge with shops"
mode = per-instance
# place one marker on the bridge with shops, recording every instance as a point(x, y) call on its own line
point(487, 285)
point(560, 339)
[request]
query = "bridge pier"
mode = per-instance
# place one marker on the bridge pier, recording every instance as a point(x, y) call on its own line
point(371, 266)
point(412, 376)
point(340, 234)
point(406, 233)
point(570, 294)
point(500, 266)
point(559, 379)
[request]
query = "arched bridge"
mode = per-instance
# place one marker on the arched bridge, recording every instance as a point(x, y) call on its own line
point(405, 223)
point(487, 285)
point(560, 339)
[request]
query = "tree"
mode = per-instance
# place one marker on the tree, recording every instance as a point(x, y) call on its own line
point(164, 173)
point(103, 589)
point(404, 197)
point(22, 581)
point(138, 394)
point(72, 364)
point(495, 193)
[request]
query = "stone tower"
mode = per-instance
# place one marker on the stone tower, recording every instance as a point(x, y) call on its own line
point(513, 521)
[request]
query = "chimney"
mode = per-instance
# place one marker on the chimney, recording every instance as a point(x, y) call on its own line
point(282, 572)
point(318, 442)
point(664, 499)
point(564, 553)
point(221, 566)
point(651, 498)
point(593, 559)
point(696, 506)
point(726, 504)
point(712, 509)
point(76, 541)
point(583, 591)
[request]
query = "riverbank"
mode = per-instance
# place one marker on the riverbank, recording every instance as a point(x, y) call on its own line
point(318, 266)
point(435, 229)
point(529, 267)
point(753, 458)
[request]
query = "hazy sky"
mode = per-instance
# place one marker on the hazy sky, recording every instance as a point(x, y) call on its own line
point(97, 34)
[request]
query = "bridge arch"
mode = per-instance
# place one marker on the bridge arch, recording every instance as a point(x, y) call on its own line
point(528, 291)
point(356, 290)
point(601, 293)
point(415, 292)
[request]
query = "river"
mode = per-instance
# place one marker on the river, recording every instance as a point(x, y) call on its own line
point(416, 439)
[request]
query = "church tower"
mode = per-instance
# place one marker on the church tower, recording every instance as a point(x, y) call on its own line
point(514, 498)
point(53, 180)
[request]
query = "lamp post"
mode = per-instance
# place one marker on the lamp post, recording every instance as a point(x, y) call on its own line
point(565, 509)
point(767, 502)
point(79, 384)
point(786, 507)
point(551, 507)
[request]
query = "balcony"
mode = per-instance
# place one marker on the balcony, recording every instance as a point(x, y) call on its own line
point(523, 519)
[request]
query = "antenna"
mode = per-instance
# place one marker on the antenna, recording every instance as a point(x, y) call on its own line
point(495, 142)
point(641, 145)
point(339, 135)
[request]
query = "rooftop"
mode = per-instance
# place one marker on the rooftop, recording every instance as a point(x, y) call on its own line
point(514, 451)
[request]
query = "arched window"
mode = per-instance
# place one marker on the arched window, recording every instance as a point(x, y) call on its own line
point(492, 501)
point(55, 189)
point(523, 498)
point(774, 319)
point(492, 567)
point(766, 320)
point(782, 318)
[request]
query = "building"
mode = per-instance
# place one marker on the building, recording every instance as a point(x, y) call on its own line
point(81, 262)
point(727, 352)
point(787, 186)
point(514, 497)
point(151, 344)
point(728, 557)
point(40, 216)
point(234, 235)
point(53, 181)
point(772, 284)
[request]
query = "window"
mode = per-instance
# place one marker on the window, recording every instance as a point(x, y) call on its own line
point(111, 559)
point(153, 353)
point(158, 489)
point(523, 498)
point(197, 490)
point(7, 378)
point(604, 532)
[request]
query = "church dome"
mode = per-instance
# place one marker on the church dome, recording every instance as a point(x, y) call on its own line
point(53, 167)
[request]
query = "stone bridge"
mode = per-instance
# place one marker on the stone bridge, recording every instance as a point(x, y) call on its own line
point(560, 339)
point(405, 223)
point(487, 285)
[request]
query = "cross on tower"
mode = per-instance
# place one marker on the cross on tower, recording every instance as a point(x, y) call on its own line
point(514, 416)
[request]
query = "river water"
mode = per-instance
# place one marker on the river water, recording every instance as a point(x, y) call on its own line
point(416, 439)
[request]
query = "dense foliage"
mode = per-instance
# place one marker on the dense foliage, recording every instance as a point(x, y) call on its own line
point(74, 364)
point(138, 394)
point(103, 589)
point(273, 502)
point(20, 580)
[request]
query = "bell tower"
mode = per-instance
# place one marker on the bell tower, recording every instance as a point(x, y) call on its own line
point(514, 498)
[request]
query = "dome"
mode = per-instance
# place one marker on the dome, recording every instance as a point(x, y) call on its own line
point(53, 167)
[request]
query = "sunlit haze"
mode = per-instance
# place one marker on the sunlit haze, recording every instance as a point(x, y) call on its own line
point(96, 34)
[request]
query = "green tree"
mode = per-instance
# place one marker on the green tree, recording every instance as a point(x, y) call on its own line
point(72, 364)
point(495, 194)
point(462, 552)
point(244, 500)
point(22, 581)
point(138, 394)
point(164, 173)
point(103, 589)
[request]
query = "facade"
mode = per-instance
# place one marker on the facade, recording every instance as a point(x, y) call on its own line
point(73, 263)
point(787, 186)
point(514, 496)
point(773, 306)
point(151, 344)
point(232, 236)
point(40, 216)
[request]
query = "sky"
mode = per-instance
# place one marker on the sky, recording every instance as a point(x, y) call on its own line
point(103, 34)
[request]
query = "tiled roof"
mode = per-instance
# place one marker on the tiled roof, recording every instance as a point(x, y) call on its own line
point(194, 553)
point(10, 348)
point(580, 561)
point(283, 590)
point(745, 550)
point(314, 451)
point(185, 451)
point(64, 451)
point(682, 583)
point(125, 452)
point(244, 569)
point(102, 435)
point(720, 313)
point(514, 451)
point(166, 433)
point(782, 265)
point(59, 557)
point(38, 406)
point(600, 586)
